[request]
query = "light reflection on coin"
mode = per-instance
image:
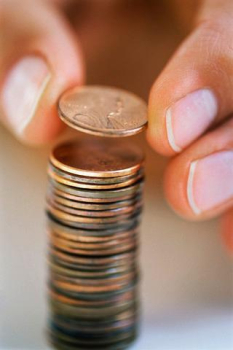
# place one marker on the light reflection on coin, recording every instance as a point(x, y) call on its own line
point(97, 159)
point(95, 180)
point(93, 186)
point(92, 206)
point(103, 111)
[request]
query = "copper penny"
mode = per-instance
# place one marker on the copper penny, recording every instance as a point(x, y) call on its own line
point(95, 180)
point(118, 259)
point(103, 111)
point(91, 206)
point(95, 213)
point(93, 187)
point(102, 158)
point(61, 192)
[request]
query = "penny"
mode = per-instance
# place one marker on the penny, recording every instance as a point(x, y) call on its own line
point(93, 244)
point(103, 111)
point(74, 267)
point(92, 206)
point(107, 240)
point(89, 289)
point(65, 344)
point(95, 274)
point(124, 225)
point(96, 303)
point(63, 246)
point(95, 341)
point(64, 194)
point(110, 324)
point(89, 236)
point(95, 180)
point(62, 346)
point(89, 219)
point(98, 330)
point(97, 213)
point(124, 316)
point(93, 296)
point(114, 260)
point(61, 228)
point(95, 282)
point(93, 186)
point(132, 190)
point(90, 312)
point(104, 158)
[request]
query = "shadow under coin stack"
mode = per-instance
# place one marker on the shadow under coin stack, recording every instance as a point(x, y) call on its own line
point(94, 203)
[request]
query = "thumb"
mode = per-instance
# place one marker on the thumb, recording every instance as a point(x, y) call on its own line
point(40, 58)
point(193, 93)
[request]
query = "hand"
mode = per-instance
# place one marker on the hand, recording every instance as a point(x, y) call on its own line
point(40, 56)
point(189, 108)
point(193, 95)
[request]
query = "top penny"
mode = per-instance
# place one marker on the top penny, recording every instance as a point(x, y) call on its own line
point(103, 111)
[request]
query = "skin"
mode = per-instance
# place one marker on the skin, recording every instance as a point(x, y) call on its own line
point(42, 27)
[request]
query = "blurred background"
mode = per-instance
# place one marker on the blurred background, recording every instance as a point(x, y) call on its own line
point(187, 280)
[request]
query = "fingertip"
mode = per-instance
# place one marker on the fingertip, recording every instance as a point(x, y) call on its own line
point(48, 62)
point(175, 188)
point(43, 128)
point(157, 136)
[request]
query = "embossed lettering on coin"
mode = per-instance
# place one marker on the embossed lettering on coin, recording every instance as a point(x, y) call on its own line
point(103, 111)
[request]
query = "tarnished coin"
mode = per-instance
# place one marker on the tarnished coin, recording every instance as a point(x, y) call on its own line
point(95, 213)
point(91, 241)
point(94, 245)
point(67, 247)
point(109, 325)
point(113, 194)
point(92, 158)
point(95, 180)
point(127, 296)
point(115, 260)
point(61, 192)
point(125, 316)
point(90, 312)
point(90, 289)
point(60, 344)
point(92, 206)
point(124, 224)
point(61, 228)
point(77, 266)
point(90, 219)
point(106, 281)
point(93, 187)
point(103, 111)
point(80, 273)
point(97, 330)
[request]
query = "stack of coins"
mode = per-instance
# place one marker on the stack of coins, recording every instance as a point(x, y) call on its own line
point(94, 203)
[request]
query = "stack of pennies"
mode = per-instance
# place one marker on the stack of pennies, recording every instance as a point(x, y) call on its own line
point(94, 206)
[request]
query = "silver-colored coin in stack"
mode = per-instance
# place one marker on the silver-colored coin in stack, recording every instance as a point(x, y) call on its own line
point(94, 205)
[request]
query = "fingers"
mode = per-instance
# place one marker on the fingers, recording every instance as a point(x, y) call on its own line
point(194, 91)
point(198, 182)
point(40, 58)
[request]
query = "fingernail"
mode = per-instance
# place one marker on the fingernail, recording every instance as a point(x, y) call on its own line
point(22, 91)
point(210, 181)
point(189, 117)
